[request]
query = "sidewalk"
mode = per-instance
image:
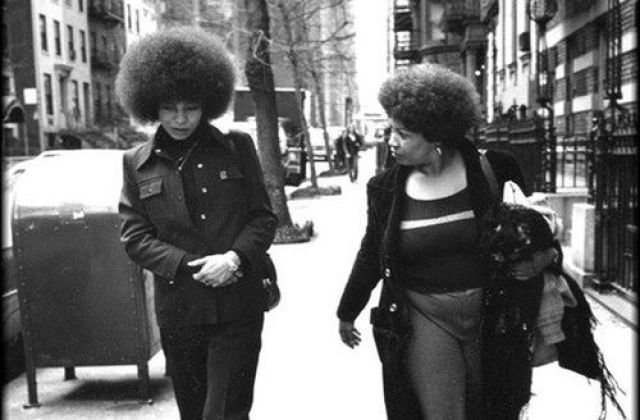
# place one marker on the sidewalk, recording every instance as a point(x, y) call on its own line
point(305, 372)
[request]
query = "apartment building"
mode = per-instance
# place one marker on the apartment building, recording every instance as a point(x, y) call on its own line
point(576, 41)
point(141, 17)
point(48, 48)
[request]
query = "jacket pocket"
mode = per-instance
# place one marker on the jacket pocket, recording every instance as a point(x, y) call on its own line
point(153, 195)
point(230, 189)
point(150, 187)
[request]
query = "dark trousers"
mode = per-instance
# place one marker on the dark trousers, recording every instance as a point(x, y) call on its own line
point(213, 368)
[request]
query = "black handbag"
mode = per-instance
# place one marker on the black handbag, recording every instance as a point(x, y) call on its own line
point(270, 284)
point(391, 328)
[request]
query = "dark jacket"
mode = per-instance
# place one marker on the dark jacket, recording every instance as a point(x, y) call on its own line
point(159, 234)
point(376, 259)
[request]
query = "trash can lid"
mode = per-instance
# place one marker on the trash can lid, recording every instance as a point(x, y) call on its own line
point(86, 179)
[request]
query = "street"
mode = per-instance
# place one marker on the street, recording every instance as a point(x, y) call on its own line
point(305, 371)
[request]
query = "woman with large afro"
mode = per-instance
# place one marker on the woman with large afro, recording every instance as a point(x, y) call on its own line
point(195, 212)
point(422, 240)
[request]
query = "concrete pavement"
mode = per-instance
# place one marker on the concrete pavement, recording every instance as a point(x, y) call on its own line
point(305, 372)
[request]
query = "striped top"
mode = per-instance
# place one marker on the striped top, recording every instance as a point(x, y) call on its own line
point(438, 244)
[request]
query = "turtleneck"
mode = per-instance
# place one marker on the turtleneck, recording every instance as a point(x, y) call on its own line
point(176, 148)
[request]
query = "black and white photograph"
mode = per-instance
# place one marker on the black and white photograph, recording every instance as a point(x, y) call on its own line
point(320, 209)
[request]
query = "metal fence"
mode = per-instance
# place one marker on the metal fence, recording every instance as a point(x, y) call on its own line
point(523, 138)
point(614, 191)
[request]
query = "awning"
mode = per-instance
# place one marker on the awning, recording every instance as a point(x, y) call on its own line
point(12, 111)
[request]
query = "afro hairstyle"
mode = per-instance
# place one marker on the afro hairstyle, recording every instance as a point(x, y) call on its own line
point(432, 100)
point(179, 64)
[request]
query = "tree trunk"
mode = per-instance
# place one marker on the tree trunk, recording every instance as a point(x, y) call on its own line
point(260, 78)
point(323, 117)
point(299, 85)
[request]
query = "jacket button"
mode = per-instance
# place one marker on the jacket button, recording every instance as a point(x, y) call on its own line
point(393, 307)
point(204, 190)
point(199, 165)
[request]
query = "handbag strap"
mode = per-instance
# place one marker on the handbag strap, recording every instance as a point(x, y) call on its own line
point(489, 175)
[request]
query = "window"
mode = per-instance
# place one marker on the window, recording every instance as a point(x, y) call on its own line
point(72, 52)
point(67, 3)
point(94, 43)
point(48, 94)
point(83, 45)
point(85, 94)
point(108, 99)
point(6, 86)
point(43, 33)
point(81, 5)
point(75, 100)
point(56, 37)
point(137, 21)
point(97, 100)
point(580, 83)
point(62, 89)
point(129, 17)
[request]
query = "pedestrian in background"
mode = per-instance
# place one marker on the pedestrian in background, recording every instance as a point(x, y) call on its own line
point(195, 212)
point(353, 141)
point(422, 239)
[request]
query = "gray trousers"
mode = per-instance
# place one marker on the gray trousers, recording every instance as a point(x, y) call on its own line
point(444, 355)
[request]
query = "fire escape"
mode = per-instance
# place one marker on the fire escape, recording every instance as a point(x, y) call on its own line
point(406, 38)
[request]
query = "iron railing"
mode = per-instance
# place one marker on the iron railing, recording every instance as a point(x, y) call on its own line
point(614, 191)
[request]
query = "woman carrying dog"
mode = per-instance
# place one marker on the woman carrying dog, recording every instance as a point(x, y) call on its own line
point(195, 212)
point(422, 239)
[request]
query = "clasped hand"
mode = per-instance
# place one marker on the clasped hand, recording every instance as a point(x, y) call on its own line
point(214, 270)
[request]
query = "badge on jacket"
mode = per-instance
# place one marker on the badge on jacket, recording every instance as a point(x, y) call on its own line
point(223, 174)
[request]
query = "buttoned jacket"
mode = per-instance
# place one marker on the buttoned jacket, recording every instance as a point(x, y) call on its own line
point(158, 233)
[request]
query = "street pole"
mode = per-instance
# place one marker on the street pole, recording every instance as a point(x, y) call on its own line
point(541, 12)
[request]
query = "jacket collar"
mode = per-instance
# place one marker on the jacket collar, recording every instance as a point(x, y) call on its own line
point(210, 136)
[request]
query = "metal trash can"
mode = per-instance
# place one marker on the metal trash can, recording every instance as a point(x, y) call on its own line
point(83, 302)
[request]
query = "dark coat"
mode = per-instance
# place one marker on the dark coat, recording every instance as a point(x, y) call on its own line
point(158, 232)
point(376, 260)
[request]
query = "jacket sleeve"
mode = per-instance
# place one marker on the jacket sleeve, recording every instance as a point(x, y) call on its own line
point(139, 236)
point(365, 273)
point(258, 233)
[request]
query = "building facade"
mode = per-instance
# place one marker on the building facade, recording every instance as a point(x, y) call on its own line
point(107, 43)
point(444, 32)
point(576, 39)
point(62, 58)
point(48, 47)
